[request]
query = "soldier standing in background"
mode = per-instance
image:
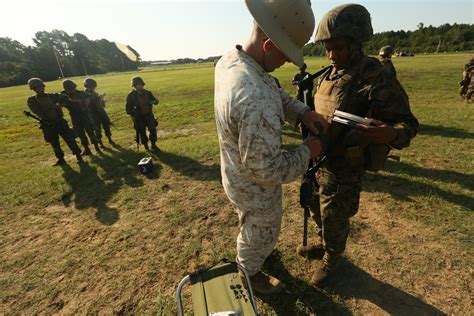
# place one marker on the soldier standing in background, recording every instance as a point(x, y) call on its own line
point(99, 115)
point(360, 85)
point(78, 106)
point(46, 107)
point(467, 83)
point(140, 107)
point(385, 56)
point(300, 76)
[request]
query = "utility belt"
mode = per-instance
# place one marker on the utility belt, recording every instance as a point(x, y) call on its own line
point(372, 157)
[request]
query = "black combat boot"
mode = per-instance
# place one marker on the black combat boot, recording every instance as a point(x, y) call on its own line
point(101, 144)
point(146, 146)
point(111, 142)
point(60, 162)
point(86, 151)
point(97, 149)
point(329, 263)
point(79, 158)
point(154, 147)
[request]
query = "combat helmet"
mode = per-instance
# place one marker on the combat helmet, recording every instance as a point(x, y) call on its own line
point(289, 24)
point(34, 83)
point(347, 20)
point(90, 83)
point(137, 80)
point(386, 51)
point(69, 85)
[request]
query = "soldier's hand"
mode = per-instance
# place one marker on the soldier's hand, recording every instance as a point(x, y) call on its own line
point(314, 145)
point(378, 132)
point(311, 119)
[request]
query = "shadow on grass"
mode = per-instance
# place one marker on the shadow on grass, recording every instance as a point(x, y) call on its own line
point(449, 132)
point(403, 189)
point(298, 297)
point(89, 190)
point(189, 167)
point(350, 282)
point(353, 282)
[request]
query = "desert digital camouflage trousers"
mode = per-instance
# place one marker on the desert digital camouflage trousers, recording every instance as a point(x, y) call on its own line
point(257, 238)
point(335, 200)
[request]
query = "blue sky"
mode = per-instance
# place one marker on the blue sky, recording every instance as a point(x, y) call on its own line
point(176, 29)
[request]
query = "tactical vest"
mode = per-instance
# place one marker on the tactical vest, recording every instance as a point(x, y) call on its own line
point(144, 102)
point(96, 101)
point(79, 105)
point(48, 108)
point(332, 95)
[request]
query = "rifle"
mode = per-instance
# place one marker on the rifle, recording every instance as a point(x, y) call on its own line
point(42, 122)
point(306, 189)
point(137, 131)
point(306, 86)
point(306, 194)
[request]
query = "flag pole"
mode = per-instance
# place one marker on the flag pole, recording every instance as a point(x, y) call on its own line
point(57, 60)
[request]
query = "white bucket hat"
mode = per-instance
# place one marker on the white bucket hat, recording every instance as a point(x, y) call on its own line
point(289, 24)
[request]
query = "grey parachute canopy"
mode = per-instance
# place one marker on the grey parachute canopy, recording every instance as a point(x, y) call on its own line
point(34, 83)
point(347, 20)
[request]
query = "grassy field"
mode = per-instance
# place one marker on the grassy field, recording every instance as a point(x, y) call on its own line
point(101, 238)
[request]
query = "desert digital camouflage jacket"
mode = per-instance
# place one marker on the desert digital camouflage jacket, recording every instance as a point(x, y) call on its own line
point(250, 111)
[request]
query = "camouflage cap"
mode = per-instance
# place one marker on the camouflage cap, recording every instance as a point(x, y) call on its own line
point(386, 51)
point(68, 84)
point(137, 80)
point(347, 20)
point(34, 83)
point(90, 83)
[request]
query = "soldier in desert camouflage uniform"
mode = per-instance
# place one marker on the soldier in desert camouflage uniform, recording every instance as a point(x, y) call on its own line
point(250, 110)
point(360, 85)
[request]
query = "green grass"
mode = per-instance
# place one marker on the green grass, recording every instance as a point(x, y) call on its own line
point(103, 238)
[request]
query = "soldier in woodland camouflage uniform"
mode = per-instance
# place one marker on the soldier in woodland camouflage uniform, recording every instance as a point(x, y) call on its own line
point(46, 107)
point(82, 124)
point(385, 56)
point(360, 85)
point(467, 83)
point(97, 109)
point(250, 111)
point(139, 106)
point(300, 76)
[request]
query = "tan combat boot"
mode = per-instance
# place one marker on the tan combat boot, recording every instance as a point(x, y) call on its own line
point(312, 252)
point(329, 263)
point(265, 284)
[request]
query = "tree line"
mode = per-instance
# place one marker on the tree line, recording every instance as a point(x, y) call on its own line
point(426, 39)
point(54, 51)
